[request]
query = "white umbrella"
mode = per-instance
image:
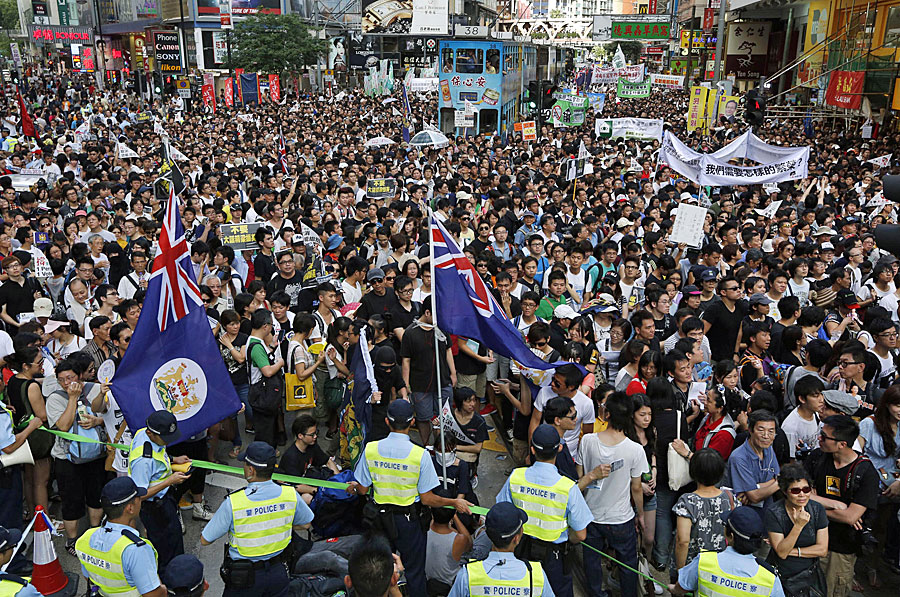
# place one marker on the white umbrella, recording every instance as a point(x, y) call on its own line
point(379, 142)
point(427, 138)
point(389, 100)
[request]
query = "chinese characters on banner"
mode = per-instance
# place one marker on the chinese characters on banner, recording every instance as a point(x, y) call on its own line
point(275, 88)
point(381, 188)
point(747, 50)
point(529, 130)
point(58, 33)
point(209, 96)
point(239, 237)
point(220, 47)
point(629, 30)
point(697, 108)
point(667, 81)
point(625, 89)
point(430, 17)
point(229, 92)
point(845, 89)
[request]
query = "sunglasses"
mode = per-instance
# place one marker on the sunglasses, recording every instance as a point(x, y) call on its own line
point(799, 490)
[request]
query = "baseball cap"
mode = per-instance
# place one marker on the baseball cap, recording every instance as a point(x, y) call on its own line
point(10, 537)
point(846, 298)
point(760, 299)
point(824, 231)
point(826, 247)
point(334, 241)
point(259, 454)
point(529, 214)
point(43, 307)
point(375, 273)
point(564, 312)
point(545, 438)
point(53, 325)
point(841, 401)
point(80, 212)
point(744, 522)
point(400, 411)
point(121, 490)
point(708, 274)
point(504, 520)
point(623, 223)
point(183, 572)
point(690, 289)
point(164, 424)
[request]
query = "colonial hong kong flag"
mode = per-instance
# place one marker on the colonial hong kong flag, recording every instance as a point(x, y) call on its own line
point(466, 307)
point(173, 361)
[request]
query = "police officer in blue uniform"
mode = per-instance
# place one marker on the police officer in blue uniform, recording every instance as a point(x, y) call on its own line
point(501, 573)
point(184, 577)
point(113, 557)
point(557, 512)
point(11, 493)
point(259, 521)
point(10, 584)
point(734, 571)
point(402, 477)
point(151, 469)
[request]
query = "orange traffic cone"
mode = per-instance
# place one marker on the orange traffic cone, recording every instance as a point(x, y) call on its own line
point(48, 576)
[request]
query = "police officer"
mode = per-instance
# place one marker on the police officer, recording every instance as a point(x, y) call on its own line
point(151, 469)
point(259, 521)
point(501, 573)
point(114, 557)
point(402, 477)
point(184, 577)
point(10, 584)
point(734, 571)
point(11, 492)
point(557, 512)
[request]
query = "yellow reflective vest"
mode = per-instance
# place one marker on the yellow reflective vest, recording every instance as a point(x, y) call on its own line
point(714, 582)
point(105, 567)
point(394, 480)
point(262, 528)
point(482, 585)
point(544, 504)
point(160, 456)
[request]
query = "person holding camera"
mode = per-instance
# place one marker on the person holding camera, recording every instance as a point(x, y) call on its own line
point(847, 485)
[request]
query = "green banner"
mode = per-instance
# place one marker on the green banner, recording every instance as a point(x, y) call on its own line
point(569, 112)
point(625, 90)
point(631, 30)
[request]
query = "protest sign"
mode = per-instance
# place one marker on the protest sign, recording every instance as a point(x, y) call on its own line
point(688, 225)
point(624, 89)
point(239, 237)
point(381, 188)
point(629, 128)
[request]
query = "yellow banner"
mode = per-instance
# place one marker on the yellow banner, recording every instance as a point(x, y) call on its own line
point(697, 108)
point(816, 32)
point(728, 105)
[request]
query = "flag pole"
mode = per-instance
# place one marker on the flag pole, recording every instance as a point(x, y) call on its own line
point(437, 349)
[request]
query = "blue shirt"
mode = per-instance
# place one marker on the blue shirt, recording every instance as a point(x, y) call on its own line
point(510, 569)
point(874, 448)
point(26, 591)
point(147, 470)
point(7, 437)
point(222, 521)
point(578, 514)
point(138, 562)
point(731, 562)
point(398, 446)
point(748, 470)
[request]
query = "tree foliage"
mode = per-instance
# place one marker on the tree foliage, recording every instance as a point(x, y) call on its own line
point(631, 49)
point(268, 43)
point(9, 23)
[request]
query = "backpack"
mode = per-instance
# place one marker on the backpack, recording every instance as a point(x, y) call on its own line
point(81, 452)
point(337, 513)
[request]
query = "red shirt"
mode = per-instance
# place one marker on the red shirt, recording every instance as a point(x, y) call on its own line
point(722, 442)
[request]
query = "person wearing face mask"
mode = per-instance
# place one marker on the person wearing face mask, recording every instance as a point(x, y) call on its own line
point(390, 387)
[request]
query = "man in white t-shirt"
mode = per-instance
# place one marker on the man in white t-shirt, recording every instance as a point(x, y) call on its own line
point(610, 467)
point(565, 382)
point(802, 425)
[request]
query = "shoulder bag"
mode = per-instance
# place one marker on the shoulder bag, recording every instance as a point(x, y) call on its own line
point(678, 465)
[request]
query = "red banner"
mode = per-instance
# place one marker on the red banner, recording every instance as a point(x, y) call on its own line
point(709, 18)
point(229, 92)
point(274, 88)
point(845, 89)
point(209, 96)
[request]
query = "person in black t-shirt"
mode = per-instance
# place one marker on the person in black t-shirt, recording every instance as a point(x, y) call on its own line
point(847, 484)
point(304, 458)
point(379, 300)
point(725, 317)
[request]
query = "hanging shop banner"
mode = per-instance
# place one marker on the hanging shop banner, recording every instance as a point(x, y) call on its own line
point(168, 51)
point(220, 47)
point(629, 128)
point(697, 40)
point(430, 17)
point(747, 49)
point(816, 32)
point(667, 81)
point(631, 30)
point(58, 33)
point(208, 93)
point(715, 172)
point(845, 89)
point(624, 89)
point(610, 76)
point(386, 17)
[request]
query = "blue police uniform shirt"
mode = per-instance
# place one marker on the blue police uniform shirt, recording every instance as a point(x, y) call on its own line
point(510, 569)
point(7, 437)
point(146, 470)
point(731, 562)
point(398, 445)
point(578, 514)
point(222, 521)
point(747, 470)
point(138, 561)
